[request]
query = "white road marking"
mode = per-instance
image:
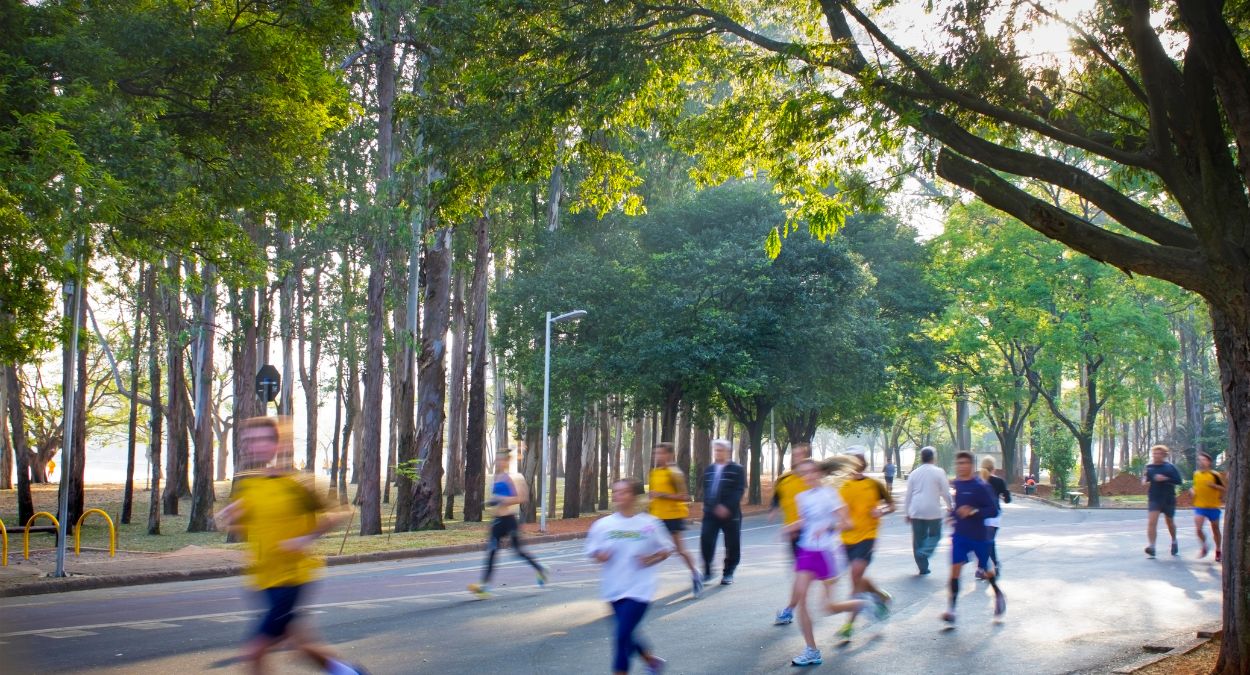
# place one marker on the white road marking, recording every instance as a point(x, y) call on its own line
point(152, 625)
point(62, 634)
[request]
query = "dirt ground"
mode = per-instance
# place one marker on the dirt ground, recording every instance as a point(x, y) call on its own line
point(1200, 661)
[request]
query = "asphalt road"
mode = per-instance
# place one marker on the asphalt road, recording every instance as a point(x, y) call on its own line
point(1082, 598)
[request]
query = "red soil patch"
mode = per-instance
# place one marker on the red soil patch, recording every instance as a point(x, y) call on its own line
point(1123, 484)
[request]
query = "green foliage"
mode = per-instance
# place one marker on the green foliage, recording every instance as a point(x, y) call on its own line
point(1055, 449)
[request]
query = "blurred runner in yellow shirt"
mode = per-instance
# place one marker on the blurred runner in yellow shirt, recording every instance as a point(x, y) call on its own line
point(1208, 494)
point(785, 498)
point(281, 516)
point(670, 502)
point(867, 501)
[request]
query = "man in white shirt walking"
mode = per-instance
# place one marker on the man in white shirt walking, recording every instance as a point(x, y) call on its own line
point(927, 490)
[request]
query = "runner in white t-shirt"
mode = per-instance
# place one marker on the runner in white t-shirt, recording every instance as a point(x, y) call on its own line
point(822, 514)
point(629, 544)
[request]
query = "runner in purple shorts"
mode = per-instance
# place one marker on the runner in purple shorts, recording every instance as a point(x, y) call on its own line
point(819, 556)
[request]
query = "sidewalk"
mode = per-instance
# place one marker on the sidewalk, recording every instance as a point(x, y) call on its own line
point(94, 569)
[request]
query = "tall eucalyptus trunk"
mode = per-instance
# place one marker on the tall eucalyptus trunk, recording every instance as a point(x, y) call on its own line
point(156, 416)
point(475, 433)
point(457, 413)
point(202, 493)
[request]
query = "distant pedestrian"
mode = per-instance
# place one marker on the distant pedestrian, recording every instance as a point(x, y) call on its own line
point(507, 492)
point(1208, 492)
point(670, 502)
point(629, 544)
point(888, 472)
point(1162, 477)
point(785, 499)
point(723, 484)
point(822, 514)
point(281, 515)
point(927, 490)
point(974, 503)
point(993, 524)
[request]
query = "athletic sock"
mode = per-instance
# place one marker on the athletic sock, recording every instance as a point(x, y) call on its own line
point(954, 592)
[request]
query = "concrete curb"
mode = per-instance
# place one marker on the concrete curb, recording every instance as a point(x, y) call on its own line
point(45, 585)
point(1166, 649)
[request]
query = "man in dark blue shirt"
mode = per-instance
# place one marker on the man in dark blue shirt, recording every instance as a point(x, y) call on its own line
point(1162, 477)
point(974, 502)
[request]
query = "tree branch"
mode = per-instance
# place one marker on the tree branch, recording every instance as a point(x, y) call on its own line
point(1183, 267)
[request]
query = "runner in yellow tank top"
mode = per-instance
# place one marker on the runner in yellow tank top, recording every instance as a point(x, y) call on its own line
point(670, 502)
point(1208, 494)
point(867, 501)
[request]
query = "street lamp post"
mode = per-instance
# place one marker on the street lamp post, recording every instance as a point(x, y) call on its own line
point(551, 486)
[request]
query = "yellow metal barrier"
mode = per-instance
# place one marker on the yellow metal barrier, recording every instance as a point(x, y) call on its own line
point(4, 532)
point(26, 536)
point(112, 531)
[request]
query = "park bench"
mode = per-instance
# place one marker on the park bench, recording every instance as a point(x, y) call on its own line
point(1074, 496)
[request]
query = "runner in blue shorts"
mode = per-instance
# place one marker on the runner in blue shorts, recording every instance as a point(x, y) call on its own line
point(975, 501)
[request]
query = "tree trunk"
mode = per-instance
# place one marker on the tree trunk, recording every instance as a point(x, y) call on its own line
point(456, 396)
point(155, 417)
point(422, 512)
point(634, 465)
point(21, 453)
point(132, 428)
point(531, 469)
point(202, 494)
point(702, 454)
point(6, 443)
point(963, 423)
point(1232, 348)
point(683, 439)
point(590, 463)
point(337, 441)
point(605, 455)
point(175, 410)
point(755, 432)
point(475, 440)
point(576, 434)
point(668, 414)
point(309, 370)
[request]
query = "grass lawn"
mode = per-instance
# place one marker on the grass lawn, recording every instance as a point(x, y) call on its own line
point(174, 535)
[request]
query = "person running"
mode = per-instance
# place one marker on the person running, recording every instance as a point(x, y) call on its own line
point(785, 493)
point(1208, 492)
point(867, 502)
point(629, 544)
point(974, 502)
point(1162, 477)
point(992, 524)
point(670, 502)
point(281, 515)
point(820, 557)
point(723, 484)
point(888, 472)
point(507, 492)
point(927, 490)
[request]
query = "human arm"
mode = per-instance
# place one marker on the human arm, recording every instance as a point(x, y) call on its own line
point(945, 492)
point(596, 545)
point(663, 544)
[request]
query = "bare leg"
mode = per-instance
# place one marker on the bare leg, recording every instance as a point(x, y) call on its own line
point(802, 580)
point(1171, 526)
point(1199, 522)
point(685, 555)
point(1217, 536)
point(309, 643)
point(254, 653)
point(1152, 528)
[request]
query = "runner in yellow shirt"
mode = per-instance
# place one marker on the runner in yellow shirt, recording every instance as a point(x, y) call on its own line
point(867, 501)
point(785, 499)
point(1208, 494)
point(281, 515)
point(670, 502)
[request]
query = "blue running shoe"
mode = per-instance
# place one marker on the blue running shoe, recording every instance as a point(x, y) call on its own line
point(809, 657)
point(785, 616)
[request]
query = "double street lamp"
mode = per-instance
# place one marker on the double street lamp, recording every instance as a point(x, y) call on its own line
point(550, 488)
